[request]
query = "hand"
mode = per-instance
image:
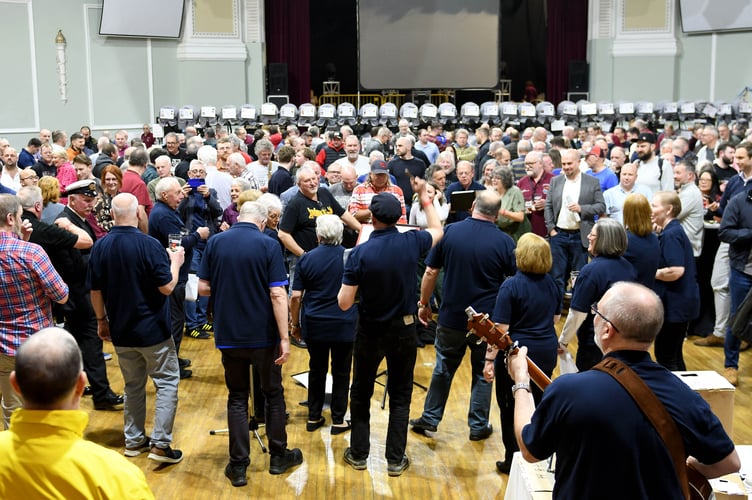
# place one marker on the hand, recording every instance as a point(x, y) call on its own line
point(26, 229)
point(224, 226)
point(203, 190)
point(574, 207)
point(425, 315)
point(489, 372)
point(561, 349)
point(284, 351)
point(517, 366)
point(103, 330)
point(177, 255)
point(295, 332)
point(186, 189)
point(63, 222)
point(203, 232)
point(539, 204)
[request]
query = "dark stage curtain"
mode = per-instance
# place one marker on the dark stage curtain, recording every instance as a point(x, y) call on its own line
point(288, 39)
point(567, 41)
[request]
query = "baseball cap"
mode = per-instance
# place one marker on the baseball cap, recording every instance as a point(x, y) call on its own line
point(379, 167)
point(597, 151)
point(646, 137)
point(386, 208)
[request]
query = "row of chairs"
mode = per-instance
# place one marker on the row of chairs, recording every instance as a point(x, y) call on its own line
point(469, 115)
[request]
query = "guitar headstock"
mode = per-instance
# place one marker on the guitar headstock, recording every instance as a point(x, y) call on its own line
point(481, 326)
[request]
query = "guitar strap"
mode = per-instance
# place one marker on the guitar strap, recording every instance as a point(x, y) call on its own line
point(652, 407)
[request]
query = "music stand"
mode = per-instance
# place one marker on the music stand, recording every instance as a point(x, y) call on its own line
point(253, 424)
point(385, 374)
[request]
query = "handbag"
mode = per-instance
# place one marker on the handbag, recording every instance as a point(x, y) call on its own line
point(694, 485)
point(191, 288)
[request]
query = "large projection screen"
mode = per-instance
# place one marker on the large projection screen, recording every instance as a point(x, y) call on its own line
point(706, 16)
point(425, 44)
point(142, 18)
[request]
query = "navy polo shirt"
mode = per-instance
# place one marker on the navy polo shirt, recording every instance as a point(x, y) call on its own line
point(473, 272)
point(164, 221)
point(319, 273)
point(593, 281)
point(681, 298)
point(241, 265)
point(128, 267)
point(456, 186)
point(604, 443)
point(384, 269)
point(299, 217)
point(643, 252)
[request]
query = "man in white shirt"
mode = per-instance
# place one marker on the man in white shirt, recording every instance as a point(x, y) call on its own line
point(650, 172)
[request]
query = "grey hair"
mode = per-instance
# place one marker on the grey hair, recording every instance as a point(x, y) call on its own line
point(329, 229)
point(207, 155)
point(124, 205)
point(610, 238)
point(505, 175)
point(9, 204)
point(30, 196)
point(487, 202)
point(375, 155)
point(635, 310)
point(239, 181)
point(270, 201)
point(263, 145)
point(308, 168)
point(253, 211)
point(163, 185)
point(236, 158)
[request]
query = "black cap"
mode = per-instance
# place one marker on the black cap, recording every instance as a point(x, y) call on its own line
point(85, 187)
point(646, 137)
point(386, 208)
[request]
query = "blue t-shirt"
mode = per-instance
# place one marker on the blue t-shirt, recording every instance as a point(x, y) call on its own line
point(681, 298)
point(241, 265)
point(643, 252)
point(128, 267)
point(384, 269)
point(606, 177)
point(604, 443)
point(473, 272)
point(319, 273)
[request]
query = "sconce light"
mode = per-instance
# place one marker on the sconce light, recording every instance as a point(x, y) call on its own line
point(60, 59)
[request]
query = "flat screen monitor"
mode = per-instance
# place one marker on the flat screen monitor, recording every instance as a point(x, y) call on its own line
point(142, 18)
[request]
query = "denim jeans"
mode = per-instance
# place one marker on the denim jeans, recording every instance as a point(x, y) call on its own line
point(450, 350)
point(739, 285)
point(195, 311)
point(568, 255)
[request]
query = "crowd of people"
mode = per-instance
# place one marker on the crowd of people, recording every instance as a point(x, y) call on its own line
point(275, 237)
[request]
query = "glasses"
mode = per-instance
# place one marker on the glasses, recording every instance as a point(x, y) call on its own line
point(594, 309)
point(197, 171)
point(531, 163)
point(30, 177)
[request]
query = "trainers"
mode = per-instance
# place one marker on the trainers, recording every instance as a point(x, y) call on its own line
point(421, 426)
point(236, 474)
point(207, 327)
point(107, 356)
point(355, 463)
point(137, 450)
point(397, 469)
point(197, 333)
point(482, 434)
point(732, 375)
point(710, 341)
point(280, 463)
point(165, 455)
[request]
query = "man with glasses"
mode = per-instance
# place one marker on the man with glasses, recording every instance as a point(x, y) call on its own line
point(173, 149)
point(28, 177)
point(535, 187)
point(587, 429)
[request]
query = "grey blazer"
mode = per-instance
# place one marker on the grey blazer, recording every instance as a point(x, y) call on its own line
point(590, 201)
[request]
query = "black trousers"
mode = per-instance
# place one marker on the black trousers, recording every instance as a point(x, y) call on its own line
point(341, 360)
point(177, 314)
point(81, 322)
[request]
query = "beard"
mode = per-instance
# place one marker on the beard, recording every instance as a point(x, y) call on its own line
point(646, 156)
point(727, 161)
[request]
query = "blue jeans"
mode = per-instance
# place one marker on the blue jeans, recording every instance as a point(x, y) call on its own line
point(739, 285)
point(568, 255)
point(195, 312)
point(450, 349)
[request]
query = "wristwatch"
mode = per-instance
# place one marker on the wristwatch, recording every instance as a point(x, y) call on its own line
point(421, 305)
point(516, 387)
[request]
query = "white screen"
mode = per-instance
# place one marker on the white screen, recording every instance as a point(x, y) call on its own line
point(428, 44)
point(703, 16)
point(142, 18)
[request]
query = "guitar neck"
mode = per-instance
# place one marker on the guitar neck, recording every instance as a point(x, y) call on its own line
point(537, 376)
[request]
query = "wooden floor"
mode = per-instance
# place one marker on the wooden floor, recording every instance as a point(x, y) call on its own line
point(447, 466)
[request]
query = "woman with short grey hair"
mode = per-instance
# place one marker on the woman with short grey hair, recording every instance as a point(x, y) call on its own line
point(512, 218)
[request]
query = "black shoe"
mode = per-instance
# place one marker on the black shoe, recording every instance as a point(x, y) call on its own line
point(482, 434)
point(504, 467)
point(340, 428)
point(185, 374)
point(312, 426)
point(397, 469)
point(111, 402)
point(165, 455)
point(236, 474)
point(355, 463)
point(197, 333)
point(421, 426)
point(184, 362)
point(87, 390)
point(298, 343)
point(280, 463)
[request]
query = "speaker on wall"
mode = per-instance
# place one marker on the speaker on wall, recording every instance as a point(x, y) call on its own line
point(579, 75)
point(277, 78)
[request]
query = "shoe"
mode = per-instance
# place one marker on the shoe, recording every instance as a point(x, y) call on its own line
point(710, 341)
point(141, 448)
point(236, 474)
point(184, 362)
point(312, 426)
point(298, 343)
point(185, 373)
point(481, 435)
point(421, 426)
point(207, 327)
point(732, 375)
point(280, 463)
point(111, 402)
point(107, 356)
point(504, 467)
point(197, 333)
point(355, 463)
point(87, 390)
point(397, 469)
point(744, 345)
point(341, 428)
point(165, 455)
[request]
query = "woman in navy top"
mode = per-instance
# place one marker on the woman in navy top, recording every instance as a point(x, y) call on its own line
point(676, 282)
point(326, 328)
point(643, 250)
point(606, 243)
point(527, 307)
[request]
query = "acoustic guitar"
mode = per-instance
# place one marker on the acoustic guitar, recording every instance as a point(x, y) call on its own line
point(486, 330)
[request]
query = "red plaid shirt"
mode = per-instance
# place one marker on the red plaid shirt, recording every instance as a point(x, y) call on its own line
point(29, 283)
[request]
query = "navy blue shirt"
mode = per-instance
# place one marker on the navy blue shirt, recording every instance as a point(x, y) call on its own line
point(681, 298)
point(736, 230)
point(241, 265)
point(164, 221)
point(456, 186)
point(604, 443)
point(643, 252)
point(128, 267)
point(473, 272)
point(280, 181)
point(384, 269)
point(319, 273)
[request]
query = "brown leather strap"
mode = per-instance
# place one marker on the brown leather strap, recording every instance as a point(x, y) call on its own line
point(652, 407)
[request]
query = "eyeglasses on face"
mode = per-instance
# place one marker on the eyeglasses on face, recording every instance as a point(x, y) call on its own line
point(594, 308)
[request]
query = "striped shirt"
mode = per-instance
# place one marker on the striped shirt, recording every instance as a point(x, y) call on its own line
point(29, 284)
point(364, 193)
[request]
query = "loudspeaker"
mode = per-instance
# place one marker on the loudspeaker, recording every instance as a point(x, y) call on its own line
point(279, 100)
point(277, 79)
point(579, 76)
